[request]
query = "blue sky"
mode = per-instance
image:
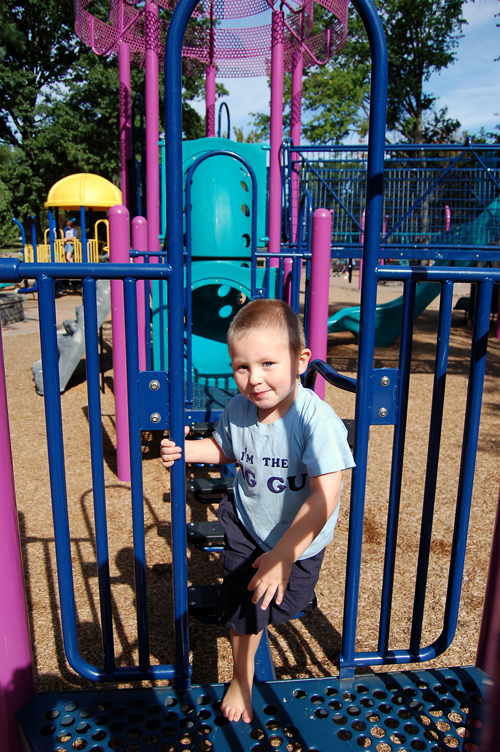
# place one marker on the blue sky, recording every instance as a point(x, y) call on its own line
point(469, 88)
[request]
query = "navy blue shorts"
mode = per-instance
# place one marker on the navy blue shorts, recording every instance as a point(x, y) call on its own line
point(235, 608)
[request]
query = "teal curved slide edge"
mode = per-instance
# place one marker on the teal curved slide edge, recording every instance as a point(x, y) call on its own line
point(388, 315)
point(481, 231)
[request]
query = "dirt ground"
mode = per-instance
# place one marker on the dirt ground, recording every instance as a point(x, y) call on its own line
point(302, 648)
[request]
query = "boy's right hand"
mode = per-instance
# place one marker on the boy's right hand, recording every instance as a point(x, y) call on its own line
point(170, 452)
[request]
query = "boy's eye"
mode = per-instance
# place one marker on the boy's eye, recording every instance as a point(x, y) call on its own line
point(268, 364)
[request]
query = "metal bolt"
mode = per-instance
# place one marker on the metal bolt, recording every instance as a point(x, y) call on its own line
point(383, 412)
point(155, 417)
point(385, 381)
point(154, 385)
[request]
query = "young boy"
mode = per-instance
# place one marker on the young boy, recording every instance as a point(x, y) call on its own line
point(291, 449)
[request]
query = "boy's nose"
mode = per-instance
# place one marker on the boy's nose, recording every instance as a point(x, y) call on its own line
point(255, 376)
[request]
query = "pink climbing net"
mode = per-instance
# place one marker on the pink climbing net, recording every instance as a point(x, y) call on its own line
point(236, 52)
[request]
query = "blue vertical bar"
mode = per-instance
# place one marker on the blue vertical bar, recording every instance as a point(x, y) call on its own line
point(83, 234)
point(469, 451)
point(55, 445)
point(130, 301)
point(98, 483)
point(435, 428)
point(375, 171)
point(397, 464)
point(173, 141)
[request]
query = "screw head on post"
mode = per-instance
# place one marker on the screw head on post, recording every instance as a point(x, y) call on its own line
point(154, 385)
point(385, 381)
point(155, 417)
point(383, 412)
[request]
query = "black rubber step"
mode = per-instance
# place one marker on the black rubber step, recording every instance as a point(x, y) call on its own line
point(206, 535)
point(210, 490)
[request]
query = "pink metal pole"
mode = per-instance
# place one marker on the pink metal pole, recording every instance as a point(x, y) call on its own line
point(295, 133)
point(320, 288)
point(210, 101)
point(152, 128)
point(140, 243)
point(277, 69)
point(16, 663)
point(119, 253)
point(447, 213)
point(125, 117)
point(361, 240)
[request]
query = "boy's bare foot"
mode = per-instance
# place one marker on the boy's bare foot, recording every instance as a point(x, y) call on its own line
point(237, 702)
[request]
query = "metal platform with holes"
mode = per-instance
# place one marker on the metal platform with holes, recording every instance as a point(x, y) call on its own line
point(408, 711)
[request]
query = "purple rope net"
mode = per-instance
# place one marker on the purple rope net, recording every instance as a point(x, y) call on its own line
point(236, 52)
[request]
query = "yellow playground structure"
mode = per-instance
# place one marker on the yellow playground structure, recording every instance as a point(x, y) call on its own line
point(80, 192)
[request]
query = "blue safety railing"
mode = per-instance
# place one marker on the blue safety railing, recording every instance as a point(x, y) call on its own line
point(439, 198)
point(130, 274)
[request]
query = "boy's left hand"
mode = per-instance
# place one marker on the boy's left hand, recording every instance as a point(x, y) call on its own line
point(270, 579)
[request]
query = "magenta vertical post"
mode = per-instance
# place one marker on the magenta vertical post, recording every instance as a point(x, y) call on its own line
point(210, 101)
point(447, 214)
point(119, 253)
point(320, 289)
point(125, 121)
point(295, 131)
point(140, 243)
point(16, 662)
point(277, 69)
point(152, 128)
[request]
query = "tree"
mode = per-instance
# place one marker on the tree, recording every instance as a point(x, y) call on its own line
point(59, 103)
point(422, 36)
point(38, 48)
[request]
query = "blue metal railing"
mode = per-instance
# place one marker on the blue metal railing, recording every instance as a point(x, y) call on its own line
point(46, 274)
point(435, 195)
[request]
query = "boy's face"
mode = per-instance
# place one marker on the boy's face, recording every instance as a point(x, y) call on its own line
point(266, 370)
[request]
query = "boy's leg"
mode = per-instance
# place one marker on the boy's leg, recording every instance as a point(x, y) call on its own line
point(237, 702)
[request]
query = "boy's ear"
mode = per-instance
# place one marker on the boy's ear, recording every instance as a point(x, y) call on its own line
point(304, 358)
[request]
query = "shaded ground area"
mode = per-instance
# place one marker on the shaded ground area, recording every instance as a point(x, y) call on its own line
point(306, 647)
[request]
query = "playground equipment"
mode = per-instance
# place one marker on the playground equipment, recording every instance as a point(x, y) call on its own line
point(439, 201)
point(82, 192)
point(481, 232)
point(307, 714)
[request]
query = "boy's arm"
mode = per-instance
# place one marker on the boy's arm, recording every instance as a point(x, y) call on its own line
point(205, 451)
point(274, 566)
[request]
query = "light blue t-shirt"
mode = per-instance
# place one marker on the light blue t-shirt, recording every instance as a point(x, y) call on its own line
point(276, 461)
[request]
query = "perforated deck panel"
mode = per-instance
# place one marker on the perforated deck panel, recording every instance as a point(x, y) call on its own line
point(438, 710)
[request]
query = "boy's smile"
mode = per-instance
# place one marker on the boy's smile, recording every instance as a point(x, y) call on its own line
point(266, 370)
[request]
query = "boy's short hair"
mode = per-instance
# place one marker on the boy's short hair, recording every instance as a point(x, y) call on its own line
point(268, 314)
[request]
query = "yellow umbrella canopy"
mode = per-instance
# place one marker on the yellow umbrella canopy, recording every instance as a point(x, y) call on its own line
point(83, 189)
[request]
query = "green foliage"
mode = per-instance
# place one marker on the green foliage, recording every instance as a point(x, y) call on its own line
point(251, 138)
point(59, 105)
point(422, 36)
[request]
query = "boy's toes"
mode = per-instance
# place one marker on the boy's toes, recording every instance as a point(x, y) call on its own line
point(246, 716)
